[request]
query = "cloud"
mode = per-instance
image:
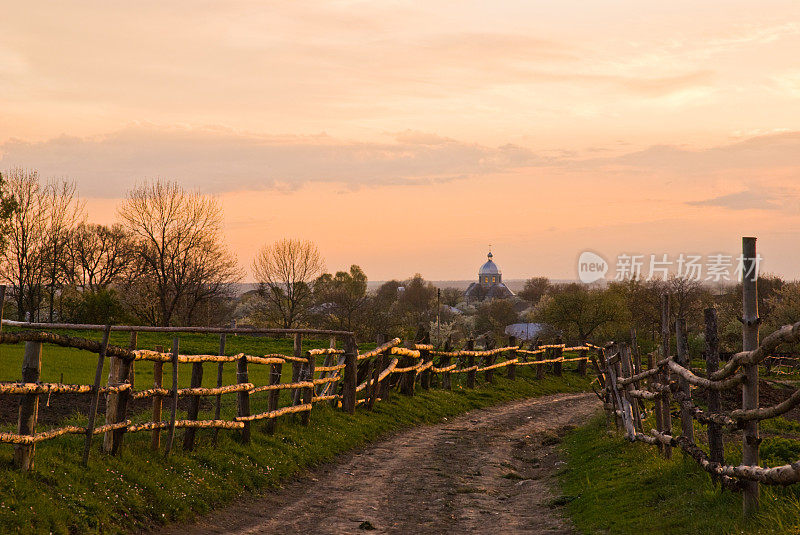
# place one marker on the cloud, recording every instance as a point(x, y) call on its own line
point(750, 199)
point(780, 150)
point(218, 159)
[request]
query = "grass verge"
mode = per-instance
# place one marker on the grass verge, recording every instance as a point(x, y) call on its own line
point(140, 488)
point(623, 488)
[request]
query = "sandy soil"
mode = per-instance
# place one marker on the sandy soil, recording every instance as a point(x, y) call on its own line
point(489, 471)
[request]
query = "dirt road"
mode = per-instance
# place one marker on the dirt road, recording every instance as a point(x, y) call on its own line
point(488, 471)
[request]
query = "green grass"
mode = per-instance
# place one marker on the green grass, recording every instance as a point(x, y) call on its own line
point(140, 487)
point(625, 488)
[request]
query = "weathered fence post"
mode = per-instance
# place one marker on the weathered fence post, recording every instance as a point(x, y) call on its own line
point(651, 363)
point(308, 393)
point(194, 406)
point(120, 372)
point(750, 322)
point(682, 344)
point(297, 367)
point(666, 417)
point(582, 354)
point(373, 386)
point(95, 396)
point(174, 399)
point(218, 402)
point(715, 444)
point(425, 354)
point(243, 397)
point(511, 372)
point(558, 352)
point(158, 375)
point(471, 364)
point(349, 381)
point(274, 395)
point(540, 368)
point(626, 363)
point(444, 362)
point(488, 360)
point(28, 405)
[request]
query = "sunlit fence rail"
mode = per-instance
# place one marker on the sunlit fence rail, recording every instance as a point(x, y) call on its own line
point(342, 377)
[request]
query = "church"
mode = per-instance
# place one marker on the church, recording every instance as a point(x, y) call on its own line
point(490, 283)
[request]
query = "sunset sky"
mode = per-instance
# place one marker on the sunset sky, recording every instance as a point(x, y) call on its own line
point(407, 136)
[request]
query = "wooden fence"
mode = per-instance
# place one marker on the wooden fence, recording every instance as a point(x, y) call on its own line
point(631, 392)
point(345, 378)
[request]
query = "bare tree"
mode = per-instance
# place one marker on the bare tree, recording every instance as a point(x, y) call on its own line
point(285, 272)
point(97, 256)
point(24, 258)
point(180, 258)
point(65, 211)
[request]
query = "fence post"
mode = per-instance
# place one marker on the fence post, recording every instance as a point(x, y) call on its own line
point(651, 363)
point(511, 372)
point(558, 352)
point(488, 360)
point(626, 363)
point(350, 371)
point(540, 370)
point(297, 367)
point(158, 375)
point(194, 406)
point(666, 417)
point(386, 358)
point(308, 393)
point(218, 402)
point(682, 343)
point(715, 444)
point(425, 354)
point(750, 322)
point(471, 364)
point(274, 395)
point(125, 374)
point(95, 395)
point(444, 362)
point(243, 397)
point(28, 405)
point(583, 354)
point(174, 399)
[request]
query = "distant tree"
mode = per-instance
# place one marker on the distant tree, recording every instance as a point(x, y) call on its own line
point(381, 314)
point(417, 301)
point(494, 316)
point(452, 296)
point(285, 272)
point(535, 288)
point(97, 256)
point(582, 312)
point(181, 261)
point(341, 299)
point(8, 205)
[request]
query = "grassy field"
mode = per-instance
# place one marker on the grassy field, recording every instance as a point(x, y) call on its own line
point(623, 488)
point(139, 487)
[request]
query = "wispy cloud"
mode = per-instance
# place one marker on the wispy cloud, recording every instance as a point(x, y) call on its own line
point(751, 199)
point(216, 159)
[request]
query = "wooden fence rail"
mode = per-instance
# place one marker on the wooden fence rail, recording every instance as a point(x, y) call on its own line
point(346, 378)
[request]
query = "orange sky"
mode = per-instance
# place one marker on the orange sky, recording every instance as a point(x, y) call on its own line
point(407, 136)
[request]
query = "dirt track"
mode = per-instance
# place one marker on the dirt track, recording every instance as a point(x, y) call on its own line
point(485, 472)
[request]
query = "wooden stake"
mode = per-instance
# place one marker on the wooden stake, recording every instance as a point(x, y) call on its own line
point(511, 370)
point(297, 367)
point(218, 402)
point(666, 417)
point(243, 397)
point(174, 408)
point(444, 362)
point(715, 444)
point(750, 323)
point(95, 394)
point(28, 405)
point(194, 406)
point(687, 422)
point(349, 379)
point(158, 375)
point(470, 363)
point(540, 367)
point(308, 393)
point(557, 353)
point(274, 395)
